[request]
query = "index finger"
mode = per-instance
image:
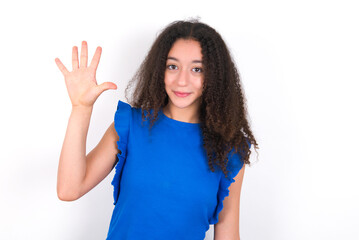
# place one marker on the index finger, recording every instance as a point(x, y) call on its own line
point(96, 58)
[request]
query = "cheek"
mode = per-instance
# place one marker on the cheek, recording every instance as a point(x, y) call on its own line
point(199, 84)
point(167, 79)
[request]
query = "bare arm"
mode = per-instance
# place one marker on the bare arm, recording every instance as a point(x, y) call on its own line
point(100, 161)
point(81, 173)
point(72, 163)
point(227, 227)
point(78, 173)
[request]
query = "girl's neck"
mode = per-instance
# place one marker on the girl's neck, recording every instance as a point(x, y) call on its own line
point(189, 115)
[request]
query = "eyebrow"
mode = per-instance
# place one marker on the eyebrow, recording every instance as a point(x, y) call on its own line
point(175, 59)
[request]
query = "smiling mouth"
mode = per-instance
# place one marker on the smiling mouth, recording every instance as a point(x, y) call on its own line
point(181, 94)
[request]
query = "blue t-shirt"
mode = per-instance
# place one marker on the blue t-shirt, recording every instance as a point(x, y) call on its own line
point(163, 186)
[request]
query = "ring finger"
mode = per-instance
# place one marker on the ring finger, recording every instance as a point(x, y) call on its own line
point(75, 58)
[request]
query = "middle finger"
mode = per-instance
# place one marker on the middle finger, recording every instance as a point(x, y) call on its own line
point(83, 61)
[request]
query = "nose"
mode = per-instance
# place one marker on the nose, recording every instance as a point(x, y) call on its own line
point(182, 78)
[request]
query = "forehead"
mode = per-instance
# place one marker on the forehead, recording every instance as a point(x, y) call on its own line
point(186, 49)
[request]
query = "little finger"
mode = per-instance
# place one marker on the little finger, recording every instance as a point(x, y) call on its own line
point(61, 67)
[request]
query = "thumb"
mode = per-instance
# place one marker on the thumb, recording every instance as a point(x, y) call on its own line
point(106, 86)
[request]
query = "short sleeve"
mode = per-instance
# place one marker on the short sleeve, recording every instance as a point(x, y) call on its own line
point(235, 164)
point(122, 126)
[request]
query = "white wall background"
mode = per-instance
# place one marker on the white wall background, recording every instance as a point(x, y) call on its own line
point(299, 66)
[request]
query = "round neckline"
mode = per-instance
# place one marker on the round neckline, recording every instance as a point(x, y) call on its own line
point(178, 123)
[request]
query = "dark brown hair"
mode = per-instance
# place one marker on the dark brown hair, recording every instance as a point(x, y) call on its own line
point(223, 110)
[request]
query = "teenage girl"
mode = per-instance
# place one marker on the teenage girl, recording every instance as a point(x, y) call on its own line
point(179, 149)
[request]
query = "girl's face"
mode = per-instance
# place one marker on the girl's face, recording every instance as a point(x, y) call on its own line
point(184, 74)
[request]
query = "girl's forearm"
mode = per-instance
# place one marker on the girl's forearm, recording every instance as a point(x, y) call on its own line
point(72, 163)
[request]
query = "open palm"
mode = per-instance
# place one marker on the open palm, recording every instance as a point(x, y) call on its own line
point(81, 82)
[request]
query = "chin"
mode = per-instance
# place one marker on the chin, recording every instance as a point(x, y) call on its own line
point(183, 104)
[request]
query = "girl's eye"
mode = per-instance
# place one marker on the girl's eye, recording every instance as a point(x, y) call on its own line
point(171, 67)
point(198, 70)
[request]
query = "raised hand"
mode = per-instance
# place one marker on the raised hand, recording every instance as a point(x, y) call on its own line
point(81, 83)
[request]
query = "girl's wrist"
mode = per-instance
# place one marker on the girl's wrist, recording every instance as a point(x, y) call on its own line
point(84, 109)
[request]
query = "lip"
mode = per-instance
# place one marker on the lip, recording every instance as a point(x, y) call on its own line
point(181, 94)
